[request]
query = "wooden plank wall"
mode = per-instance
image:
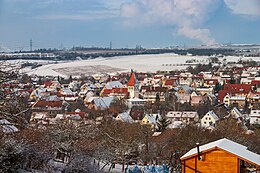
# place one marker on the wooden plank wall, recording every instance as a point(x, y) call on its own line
point(214, 161)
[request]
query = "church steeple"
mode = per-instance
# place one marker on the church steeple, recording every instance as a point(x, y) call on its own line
point(132, 80)
point(133, 85)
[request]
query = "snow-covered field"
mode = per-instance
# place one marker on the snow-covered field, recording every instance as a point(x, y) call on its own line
point(141, 63)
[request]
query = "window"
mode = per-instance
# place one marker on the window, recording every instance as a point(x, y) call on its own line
point(209, 118)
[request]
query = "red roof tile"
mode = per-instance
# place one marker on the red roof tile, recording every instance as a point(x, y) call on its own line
point(43, 104)
point(132, 79)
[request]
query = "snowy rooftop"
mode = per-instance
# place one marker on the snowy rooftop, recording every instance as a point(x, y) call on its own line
point(229, 146)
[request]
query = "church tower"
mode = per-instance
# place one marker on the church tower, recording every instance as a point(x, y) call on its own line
point(133, 86)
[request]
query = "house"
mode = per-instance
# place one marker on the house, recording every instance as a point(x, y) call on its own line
point(253, 99)
point(151, 93)
point(170, 83)
point(237, 101)
point(184, 89)
point(222, 155)
point(183, 98)
point(197, 100)
point(51, 104)
point(150, 119)
point(178, 118)
point(135, 102)
point(254, 117)
point(203, 90)
point(209, 120)
point(236, 114)
point(67, 95)
point(210, 82)
point(234, 101)
point(234, 90)
point(100, 103)
point(124, 117)
point(114, 88)
point(120, 93)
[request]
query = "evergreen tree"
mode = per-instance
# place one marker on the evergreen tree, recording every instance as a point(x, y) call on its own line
point(162, 124)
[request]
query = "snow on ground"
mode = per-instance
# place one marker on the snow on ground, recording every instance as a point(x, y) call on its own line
point(141, 63)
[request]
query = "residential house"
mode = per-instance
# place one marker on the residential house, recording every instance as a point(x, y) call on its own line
point(170, 83)
point(51, 104)
point(114, 88)
point(100, 103)
point(237, 115)
point(234, 101)
point(135, 102)
point(204, 90)
point(254, 117)
point(120, 93)
point(151, 93)
point(67, 95)
point(209, 120)
point(178, 118)
point(235, 90)
point(237, 101)
point(211, 83)
point(222, 155)
point(124, 117)
point(253, 99)
point(197, 100)
point(151, 119)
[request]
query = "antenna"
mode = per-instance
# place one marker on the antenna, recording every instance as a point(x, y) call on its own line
point(31, 45)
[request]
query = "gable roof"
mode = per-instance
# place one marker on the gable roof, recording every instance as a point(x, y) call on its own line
point(229, 146)
point(125, 117)
point(103, 102)
point(114, 84)
point(213, 115)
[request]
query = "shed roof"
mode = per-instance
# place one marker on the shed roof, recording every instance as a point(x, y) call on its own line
point(229, 146)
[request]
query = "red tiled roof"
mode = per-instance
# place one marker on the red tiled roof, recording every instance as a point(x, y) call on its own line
point(238, 88)
point(81, 114)
point(234, 89)
point(43, 104)
point(116, 90)
point(170, 82)
point(131, 81)
point(153, 89)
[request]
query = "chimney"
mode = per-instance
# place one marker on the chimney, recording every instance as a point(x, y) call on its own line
point(198, 150)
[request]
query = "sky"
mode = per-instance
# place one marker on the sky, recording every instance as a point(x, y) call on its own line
point(127, 23)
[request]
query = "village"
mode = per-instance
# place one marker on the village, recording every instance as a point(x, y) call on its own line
point(152, 114)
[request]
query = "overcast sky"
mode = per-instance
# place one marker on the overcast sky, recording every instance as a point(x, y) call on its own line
point(126, 23)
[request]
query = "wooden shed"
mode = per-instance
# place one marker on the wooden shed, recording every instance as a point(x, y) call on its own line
point(223, 156)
